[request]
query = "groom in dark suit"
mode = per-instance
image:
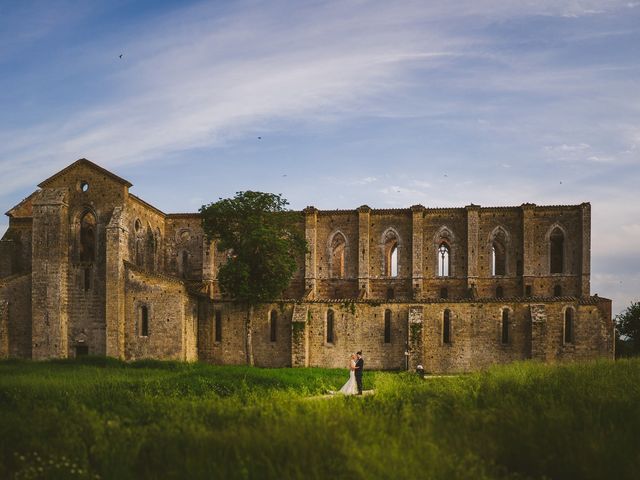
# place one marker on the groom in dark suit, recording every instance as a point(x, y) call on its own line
point(358, 372)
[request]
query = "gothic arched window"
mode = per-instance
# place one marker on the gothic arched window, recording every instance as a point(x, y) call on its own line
point(218, 326)
point(556, 251)
point(387, 326)
point(88, 237)
point(499, 243)
point(150, 249)
point(184, 264)
point(446, 327)
point(505, 326)
point(338, 244)
point(568, 325)
point(330, 326)
point(140, 252)
point(391, 254)
point(273, 325)
point(144, 321)
point(443, 260)
point(498, 258)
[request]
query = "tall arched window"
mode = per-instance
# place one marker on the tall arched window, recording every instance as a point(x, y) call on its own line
point(150, 249)
point(140, 252)
point(387, 326)
point(218, 326)
point(330, 326)
point(498, 258)
point(88, 237)
point(391, 263)
point(338, 244)
point(273, 325)
point(443, 260)
point(144, 321)
point(568, 325)
point(556, 251)
point(505, 326)
point(184, 264)
point(499, 252)
point(446, 327)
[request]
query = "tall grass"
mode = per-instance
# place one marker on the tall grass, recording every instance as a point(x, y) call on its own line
point(172, 420)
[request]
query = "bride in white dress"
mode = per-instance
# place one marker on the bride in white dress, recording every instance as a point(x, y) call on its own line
point(351, 387)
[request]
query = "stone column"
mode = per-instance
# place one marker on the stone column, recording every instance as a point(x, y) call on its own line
point(50, 271)
point(528, 245)
point(311, 257)
point(209, 272)
point(417, 253)
point(117, 253)
point(416, 333)
point(473, 226)
point(364, 218)
point(300, 336)
point(538, 331)
point(585, 251)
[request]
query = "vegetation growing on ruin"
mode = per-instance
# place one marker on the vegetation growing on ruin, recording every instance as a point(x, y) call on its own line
point(170, 420)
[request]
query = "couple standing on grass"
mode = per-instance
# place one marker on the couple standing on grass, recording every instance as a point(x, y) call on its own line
point(354, 384)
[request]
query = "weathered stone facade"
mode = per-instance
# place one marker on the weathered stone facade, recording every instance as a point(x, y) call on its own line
point(87, 267)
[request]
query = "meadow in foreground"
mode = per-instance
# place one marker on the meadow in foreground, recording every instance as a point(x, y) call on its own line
point(105, 419)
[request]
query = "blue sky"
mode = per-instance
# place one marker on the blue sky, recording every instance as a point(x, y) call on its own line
point(384, 103)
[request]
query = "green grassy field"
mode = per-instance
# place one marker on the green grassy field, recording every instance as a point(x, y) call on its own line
point(106, 419)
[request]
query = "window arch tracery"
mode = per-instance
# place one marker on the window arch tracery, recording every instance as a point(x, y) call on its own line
point(444, 245)
point(338, 255)
point(390, 244)
point(499, 243)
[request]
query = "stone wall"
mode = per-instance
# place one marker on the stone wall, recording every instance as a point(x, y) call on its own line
point(15, 316)
point(475, 341)
point(172, 317)
point(231, 349)
point(184, 246)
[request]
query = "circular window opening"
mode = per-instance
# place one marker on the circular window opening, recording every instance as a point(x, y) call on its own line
point(84, 186)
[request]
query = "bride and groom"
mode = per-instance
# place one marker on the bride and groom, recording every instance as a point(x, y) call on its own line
point(354, 384)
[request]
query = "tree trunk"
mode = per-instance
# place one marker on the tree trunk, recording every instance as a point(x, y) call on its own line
point(249, 337)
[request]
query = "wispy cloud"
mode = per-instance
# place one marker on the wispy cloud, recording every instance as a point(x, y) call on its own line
point(390, 104)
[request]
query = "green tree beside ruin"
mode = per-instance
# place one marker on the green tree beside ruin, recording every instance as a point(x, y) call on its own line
point(628, 326)
point(263, 240)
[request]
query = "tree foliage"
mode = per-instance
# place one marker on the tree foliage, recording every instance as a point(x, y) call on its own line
point(263, 240)
point(628, 325)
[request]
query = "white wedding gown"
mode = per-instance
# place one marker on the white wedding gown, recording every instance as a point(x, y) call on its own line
point(351, 387)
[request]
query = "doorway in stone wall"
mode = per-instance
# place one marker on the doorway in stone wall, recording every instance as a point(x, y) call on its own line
point(82, 350)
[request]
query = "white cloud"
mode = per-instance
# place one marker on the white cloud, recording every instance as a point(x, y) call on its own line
point(203, 77)
point(363, 181)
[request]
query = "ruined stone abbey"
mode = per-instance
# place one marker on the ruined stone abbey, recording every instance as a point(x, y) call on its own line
point(86, 267)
